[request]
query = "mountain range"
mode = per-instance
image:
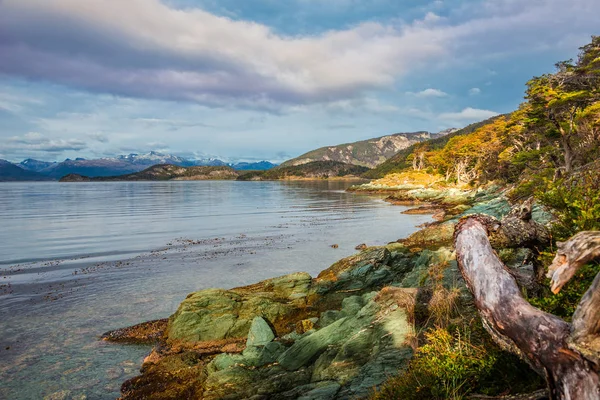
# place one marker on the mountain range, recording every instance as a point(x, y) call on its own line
point(31, 169)
point(9, 172)
point(366, 153)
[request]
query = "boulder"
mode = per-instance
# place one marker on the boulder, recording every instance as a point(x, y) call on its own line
point(260, 333)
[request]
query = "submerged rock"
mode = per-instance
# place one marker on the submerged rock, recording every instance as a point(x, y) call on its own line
point(147, 332)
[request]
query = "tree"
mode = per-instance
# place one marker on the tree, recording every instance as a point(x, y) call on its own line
point(558, 102)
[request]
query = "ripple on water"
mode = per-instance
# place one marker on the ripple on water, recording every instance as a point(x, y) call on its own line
point(96, 257)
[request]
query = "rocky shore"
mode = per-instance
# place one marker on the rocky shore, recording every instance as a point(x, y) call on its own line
point(339, 335)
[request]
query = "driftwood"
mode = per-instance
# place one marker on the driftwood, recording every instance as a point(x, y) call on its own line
point(517, 229)
point(570, 257)
point(543, 340)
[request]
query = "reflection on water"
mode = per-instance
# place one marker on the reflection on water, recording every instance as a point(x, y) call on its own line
point(79, 259)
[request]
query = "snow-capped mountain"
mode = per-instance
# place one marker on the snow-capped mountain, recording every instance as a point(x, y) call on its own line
point(125, 164)
point(154, 158)
point(35, 165)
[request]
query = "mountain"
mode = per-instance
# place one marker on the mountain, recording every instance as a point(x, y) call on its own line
point(99, 167)
point(399, 161)
point(367, 153)
point(10, 172)
point(311, 170)
point(130, 163)
point(35, 165)
point(154, 158)
point(256, 166)
point(163, 172)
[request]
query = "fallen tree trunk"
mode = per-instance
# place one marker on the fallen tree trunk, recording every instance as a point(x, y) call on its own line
point(570, 257)
point(539, 338)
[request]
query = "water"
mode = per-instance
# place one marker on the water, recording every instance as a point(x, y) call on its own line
point(77, 260)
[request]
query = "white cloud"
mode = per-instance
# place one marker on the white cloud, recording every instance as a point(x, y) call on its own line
point(145, 48)
point(467, 115)
point(36, 142)
point(474, 91)
point(429, 93)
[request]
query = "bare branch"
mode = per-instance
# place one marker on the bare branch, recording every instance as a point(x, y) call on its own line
point(572, 255)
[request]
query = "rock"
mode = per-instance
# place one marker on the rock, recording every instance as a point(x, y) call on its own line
point(215, 314)
point(352, 305)
point(361, 246)
point(224, 361)
point(61, 395)
point(310, 347)
point(270, 352)
point(435, 234)
point(260, 333)
point(147, 332)
point(327, 390)
point(421, 264)
point(328, 317)
point(304, 325)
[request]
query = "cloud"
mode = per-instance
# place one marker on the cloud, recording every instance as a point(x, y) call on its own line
point(369, 105)
point(467, 115)
point(15, 103)
point(170, 124)
point(98, 137)
point(474, 91)
point(36, 142)
point(429, 93)
point(146, 48)
point(341, 126)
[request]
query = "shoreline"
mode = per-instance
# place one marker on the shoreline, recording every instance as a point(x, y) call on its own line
point(378, 281)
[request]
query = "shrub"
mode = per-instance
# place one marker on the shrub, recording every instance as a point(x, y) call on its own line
point(576, 202)
point(451, 366)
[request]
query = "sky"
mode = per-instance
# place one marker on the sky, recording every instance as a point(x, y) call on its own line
point(265, 79)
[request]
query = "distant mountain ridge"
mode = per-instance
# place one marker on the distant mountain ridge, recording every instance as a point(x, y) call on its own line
point(311, 170)
point(35, 165)
point(120, 165)
point(163, 172)
point(10, 172)
point(367, 153)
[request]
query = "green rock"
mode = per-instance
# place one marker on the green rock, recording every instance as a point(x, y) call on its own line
point(215, 314)
point(224, 361)
point(326, 391)
point(270, 352)
point(260, 333)
point(310, 347)
point(252, 356)
point(352, 305)
point(307, 348)
point(329, 317)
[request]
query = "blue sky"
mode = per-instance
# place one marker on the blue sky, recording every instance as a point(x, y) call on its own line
point(265, 79)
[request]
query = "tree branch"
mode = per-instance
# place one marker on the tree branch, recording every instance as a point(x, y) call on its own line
point(572, 255)
point(538, 337)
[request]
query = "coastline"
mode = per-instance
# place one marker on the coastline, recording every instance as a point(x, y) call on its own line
point(338, 335)
point(310, 216)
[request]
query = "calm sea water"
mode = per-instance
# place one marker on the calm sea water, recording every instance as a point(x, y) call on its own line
point(77, 260)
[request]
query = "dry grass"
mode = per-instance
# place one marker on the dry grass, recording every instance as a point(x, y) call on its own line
point(443, 305)
point(416, 178)
point(402, 297)
point(444, 302)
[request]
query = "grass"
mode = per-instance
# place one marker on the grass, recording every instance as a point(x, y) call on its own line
point(417, 178)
